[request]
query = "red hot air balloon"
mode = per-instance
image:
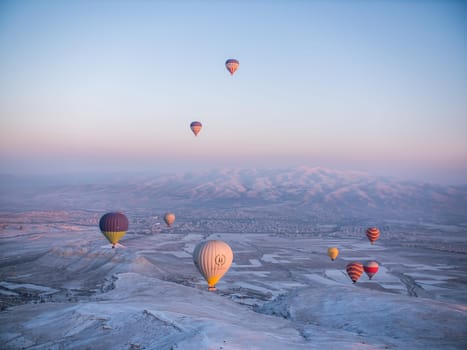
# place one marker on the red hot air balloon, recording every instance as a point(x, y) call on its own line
point(196, 127)
point(113, 226)
point(232, 65)
point(373, 234)
point(371, 268)
point(354, 270)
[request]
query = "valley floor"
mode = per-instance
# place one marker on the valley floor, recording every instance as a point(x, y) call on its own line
point(62, 287)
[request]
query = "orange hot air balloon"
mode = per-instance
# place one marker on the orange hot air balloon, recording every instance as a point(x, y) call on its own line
point(196, 127)
point(212, 259)
point(169, 218)
point(373, 234)
point(354, 270)
point(333, 252)
point(232, 65)
point(371, 268)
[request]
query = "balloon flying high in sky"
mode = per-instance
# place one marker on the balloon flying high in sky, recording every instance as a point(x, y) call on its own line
point(232, 65)
point(196, 127)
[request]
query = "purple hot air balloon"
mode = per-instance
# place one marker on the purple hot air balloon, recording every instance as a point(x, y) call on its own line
point(113, 226)
point(232, 65)
point(196, 127)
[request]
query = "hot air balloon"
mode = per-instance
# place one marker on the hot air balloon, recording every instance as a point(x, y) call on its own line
point(232, 65)
point(333, 252)
point(169, 218)
point(373, 234)
point(354, 270)
point(113, 226)
point(371, 268)
point(196, 127)
point(213, 259)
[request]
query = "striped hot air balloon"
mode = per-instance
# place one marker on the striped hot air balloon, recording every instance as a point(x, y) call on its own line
point(371, 268)
point(354, 270)
point(232, 65)
point(113, 226)
point(333, 252)
point(213, 259)
point(373, 234)
point(196, 127)
point(169, 218)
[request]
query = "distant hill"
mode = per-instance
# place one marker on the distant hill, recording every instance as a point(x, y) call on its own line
point(332, 191)
point(298, 190)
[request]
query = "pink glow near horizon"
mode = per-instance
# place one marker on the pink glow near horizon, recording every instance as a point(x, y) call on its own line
point(356, 96)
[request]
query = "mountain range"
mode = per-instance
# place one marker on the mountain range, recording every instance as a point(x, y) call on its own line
point(298, 190)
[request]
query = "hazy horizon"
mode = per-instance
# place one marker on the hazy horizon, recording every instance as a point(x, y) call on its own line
point(69, 169)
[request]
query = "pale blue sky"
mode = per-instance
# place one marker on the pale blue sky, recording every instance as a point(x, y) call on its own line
point(378, 86)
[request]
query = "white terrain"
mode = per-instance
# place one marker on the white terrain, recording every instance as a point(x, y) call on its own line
point(63, 287)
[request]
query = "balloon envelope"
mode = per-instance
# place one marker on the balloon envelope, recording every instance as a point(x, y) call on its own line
point(169, 218)
point(354, 270)
point(212, 259)
point(371, 268)
point(333, 252)
point(232, 65)
point(196, 127)
point(373, 234)
point(113, 226)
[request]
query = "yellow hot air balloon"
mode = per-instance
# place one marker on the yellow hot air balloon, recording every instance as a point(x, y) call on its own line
point(333, 252)
point(213, 259)
point(169, 218)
